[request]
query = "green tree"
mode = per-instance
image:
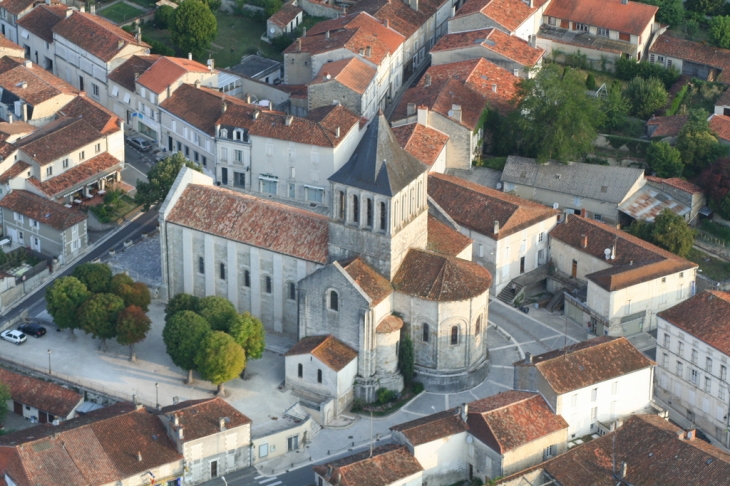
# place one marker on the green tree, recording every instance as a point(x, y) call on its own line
point(697, 144)
point(133, 293)
point(672, 233)
point(705, 7)
point(249, 333)
point(218, 311)
point(194, 27)
point(5, 396)
point(117, 283)
point(615, 108)
point(590, 82)
point(3, 257)
point(179, 303)
point(642, 229)
point(98, 317)
point(63, 300)
point(96, 276)
point(690, 28)
point(182, 336)
point(406, 360)
point(555, 117)
point(664, 160)
point(132, 328)
point(161, 177)
point(164, 17)
point(220, 359)
point(646, 96)
point(719, 31)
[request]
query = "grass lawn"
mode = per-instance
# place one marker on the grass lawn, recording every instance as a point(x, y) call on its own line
point(120, 12)
point(710, 267)
point(106, 213)
point(601, 77)
point(145, 3)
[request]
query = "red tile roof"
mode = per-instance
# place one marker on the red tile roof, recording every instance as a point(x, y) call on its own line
point(667, 126)
point(92, 113)
point(391, 38)
point(18, 6)
point(41, 209)
point(253, 221)
point(95, 35)
point(512, 419)
point(695, 52)
point(288, 12)
point(432, 427)
point(351, 73)
point(40, 394)
point(720, 124)
point(199, 107)
point(371, 282)
point(58, 138)
point(41, 20)
point(14, 171)
point(493, 40)
point(328, 349)
point(442, 238)
point(424, 143)
point(94, 168)
point(401, 17)
point(477, 207)
point(431, 276)
point(19, 128)
point(12, 49)
point(588, 363)
point(507, 13)
point(706, 317)
point(677, 183)
point(40, 85)
point(126, 74)
point(389, 464)
point(201, 418)
point(635, 261)
point(391, 323)
point(167, 70)
point(631, 17)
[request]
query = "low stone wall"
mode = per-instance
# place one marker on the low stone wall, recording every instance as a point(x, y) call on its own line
point(453, 382)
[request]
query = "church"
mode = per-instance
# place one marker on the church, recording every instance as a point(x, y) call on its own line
point(384, 263)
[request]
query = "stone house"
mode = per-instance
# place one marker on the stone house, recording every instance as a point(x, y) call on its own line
point(692, 355)
point(44, 226)
point(212, 436)
point(391, 464)
point(691, 58)
point(325, 367)
point(285, 20)
point(506, 51)
point(510, 234)
point(514, 17)
point(514, 430)
point(628, 279)
point(426, 144)
point(36, 34)
point(592, 384)
point(39, 400)
point(350, 82)
point(139, 85)
point(12, 12)
point(439, 443)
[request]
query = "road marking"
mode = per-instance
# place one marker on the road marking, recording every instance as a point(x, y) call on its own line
point(472, 394)
point(499, 384)
point(259, 477)
point(414, 413)
point(503, 366)
point(133, 167)
point(504, 347)
point(269, 479)
point(274, 484)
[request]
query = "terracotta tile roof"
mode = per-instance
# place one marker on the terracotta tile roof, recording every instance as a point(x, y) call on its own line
point(328, 349)
point(667, 126)
point(399, 14)
point(724, 99)
point(424, 143)
point(41, 20)
point(442, 238)
point(201, 418)
point(431, 276)
point(96, 167)
point(8, 130)
point(495, 40)
point(630, 18)
point(11, 48)
point(478, 207)
point(253, 221)
point(588, 363)
point(58, 138)
point(43, 395)
point(389, 464)
point(512, 419)
point(285, 14)
point(695, 52)
point(351, 73)
point(95, 35)
point(507, 13)
point(656, 452)
point(432, 427)
point(167, 70)
point(371, 282)
point(18, 6)
point(125, 74)
point(677, 183)
point(388, 36)
point(720, 124)
point(40, 85)
point(391, 323)
point(92, 113)
point(706, 316)
point(635, 260)
point(41, 209)
point(199, 107)
point(14, 171)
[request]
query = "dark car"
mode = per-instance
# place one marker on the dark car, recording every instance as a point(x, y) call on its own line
point(32, 329)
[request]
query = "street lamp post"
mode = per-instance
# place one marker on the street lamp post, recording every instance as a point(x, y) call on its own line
point(224, 480)
point(49, 361)
point(157, 395)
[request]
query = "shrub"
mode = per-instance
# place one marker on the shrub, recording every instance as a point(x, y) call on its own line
point(719, 31)
point(164, 16)
point(674, 108)
point(417, 387)
point(627, 69)
point(591, 82)
point(646, 96)
point(385, 395)
point(357, 405)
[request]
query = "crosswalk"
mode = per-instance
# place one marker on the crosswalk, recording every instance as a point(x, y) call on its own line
point(267, 481)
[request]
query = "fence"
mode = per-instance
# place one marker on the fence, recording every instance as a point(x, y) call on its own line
point(710, 238)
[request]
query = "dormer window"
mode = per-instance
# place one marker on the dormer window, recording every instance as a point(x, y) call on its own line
point(224, 133)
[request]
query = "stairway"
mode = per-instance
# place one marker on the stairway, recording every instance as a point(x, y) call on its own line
point(510, 293)
point(557, 299)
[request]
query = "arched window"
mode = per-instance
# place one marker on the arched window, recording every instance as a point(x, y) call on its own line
point(425, 332)
point(383, 216)
point(300, 370)
point(455, 335)
point(478, 326)
point(292, 291)
point(413, 201)
point(319, 376)
point(404, 207)
point(224, 133)
point(355, 209)
point(334, 301)
point(395, 213)
point(267, 284)
point(369, 212)
point(246, 278)
point(418, 200)
point(223, 271)
point(341, 205)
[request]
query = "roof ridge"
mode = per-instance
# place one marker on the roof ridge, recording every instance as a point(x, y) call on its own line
point(533, 395)
point(580, 350)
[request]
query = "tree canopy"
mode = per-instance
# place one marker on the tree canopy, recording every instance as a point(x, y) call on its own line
point(715, 181)
point(697, 143)
point(193, 27)
point(646, 96)
point(63, 300)
point(670, 11)
point(98, 316)
point(406, 360)
point(162, 175)
point(179, 303)
point(719, 31)
point(664, 160)
point(5, 396)
point(96, 276)
point(182, 335)
point(220, 359)
point(615, 108)
point(669, 231)
point(218, 311)
point(249, 333)
point(132, 328)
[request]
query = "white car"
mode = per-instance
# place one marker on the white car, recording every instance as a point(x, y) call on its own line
point(13, 336)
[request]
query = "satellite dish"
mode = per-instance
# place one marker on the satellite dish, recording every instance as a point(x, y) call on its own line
point(272, 30)
point(556, 205)
point(499, 185)
point(607, 252)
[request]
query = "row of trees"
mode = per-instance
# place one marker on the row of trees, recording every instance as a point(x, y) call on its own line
point(669, 231)
point(103, 306)
point(208, 335)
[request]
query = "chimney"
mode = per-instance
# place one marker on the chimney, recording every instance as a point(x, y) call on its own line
point(531, 3)
point(92, 9)
point(456, 112)
point(613, 251)
point(139, 456)
point(583, 241)
point(464, 411)
point(362, 52)
point(427, 80)
point(528, 357)
point(368, 51)
point(82, 9)
point(180, 434)
point(533, 41)
point(248, 98)
point(410, 109)
point(387, 23)
point(256, 114)
point(299, 44)
point(516, 72)
point(288, 120)
point(68, 12)
point(496, 227)
point(48, 2)
point(25, 112)
point(120, 44)
point(224, 107)
point(222, 424)
point(10, 118)
point(631, 262)
point(327, 35)
point(583, 213)
point(494, 87)
point(197, 83)
point(414, 4)
point(175, 420)
point(690, 435)
point(337, 132)
point(623, 469)
point(304, 32)
point(422, 118)
point(211, 65)
point(190, 56)
point(625, 2)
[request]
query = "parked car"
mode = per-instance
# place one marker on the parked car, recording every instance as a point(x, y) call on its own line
point(140, 144)
point(32, 329)
point(12, 336)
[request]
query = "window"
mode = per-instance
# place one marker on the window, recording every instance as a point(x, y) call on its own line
point(293, 443)
point(708, 385)
point(602, 31)
point(694, 356)
point(383, 216)
point(680, 349)
point(65, 163)
point(669, 63)
point(723, 372)
point(665, 358)
point(268, 186)
point(33, 223)
point(680, 369)
point(319, 376)
point(97, 148)
point(334, 303)
point(694, 377)
point(627, 308)
point(314, 194)
point(238, 156)
point(369, 212)
point(681, 274)
point(594, 414)
point(548, 452)
point(614, 388)
point(722, 392)
point(18, 217)
point(187, 151)
point(292, 291)
point(49, 170)
point(82, 155)
point(540, 237)
point(708, 364)
point(667, 340)
point(341, 205)
point(574, 400)
point(94, 90)
point(224, 154)
point(223, 271)
point(201, 265)
point(594, 394)
point(355, 209)
point(300, 370)
point(478, 326)
point(425, 332)
point(246, 278)
point(223, 133)
point(454, 335)
point(267, 284)
point(552, 21)
point(598, 217)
